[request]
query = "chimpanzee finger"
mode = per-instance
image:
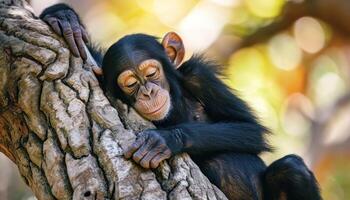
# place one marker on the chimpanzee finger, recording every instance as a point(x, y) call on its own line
point(68, 34)
point(134, 147)
point(156, 160)
point(80, 43)
point(146, 160)
point(143, 150)
point(54, 24)
point(78, 37)
point(85, 34)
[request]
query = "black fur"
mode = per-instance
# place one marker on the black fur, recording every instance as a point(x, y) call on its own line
point(289, 176)
point(229, 115)
point(226, 147)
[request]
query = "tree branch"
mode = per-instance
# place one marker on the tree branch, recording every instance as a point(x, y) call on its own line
point(62, 132)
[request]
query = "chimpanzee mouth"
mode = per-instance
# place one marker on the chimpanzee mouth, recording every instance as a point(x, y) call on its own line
point(158, 109)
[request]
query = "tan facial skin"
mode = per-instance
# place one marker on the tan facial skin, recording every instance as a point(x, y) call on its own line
point(150, 88)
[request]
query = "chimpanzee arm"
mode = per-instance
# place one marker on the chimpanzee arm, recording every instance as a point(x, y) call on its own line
point(201, 138)
point(234, 127)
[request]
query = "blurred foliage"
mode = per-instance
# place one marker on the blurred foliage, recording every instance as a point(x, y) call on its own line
point(288, 79)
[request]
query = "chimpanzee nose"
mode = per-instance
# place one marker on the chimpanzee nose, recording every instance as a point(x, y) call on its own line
point(146, 91)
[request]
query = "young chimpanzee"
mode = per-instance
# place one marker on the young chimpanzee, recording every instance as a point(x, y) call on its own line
point(194, 112)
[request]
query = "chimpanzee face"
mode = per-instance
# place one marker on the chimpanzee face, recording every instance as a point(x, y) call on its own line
point(147, 84)
point(134, 67)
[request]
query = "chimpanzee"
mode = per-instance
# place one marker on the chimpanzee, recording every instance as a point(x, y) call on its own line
point(193, 111)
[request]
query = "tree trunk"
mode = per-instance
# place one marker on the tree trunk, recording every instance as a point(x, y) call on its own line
point(62, 132)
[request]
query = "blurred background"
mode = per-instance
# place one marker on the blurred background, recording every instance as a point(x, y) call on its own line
point(289, 59)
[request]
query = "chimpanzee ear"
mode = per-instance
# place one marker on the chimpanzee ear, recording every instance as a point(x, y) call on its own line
point(174, 48)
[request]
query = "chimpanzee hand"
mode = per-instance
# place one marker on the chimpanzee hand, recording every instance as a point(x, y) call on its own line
point(150, 148)
point(65, 22)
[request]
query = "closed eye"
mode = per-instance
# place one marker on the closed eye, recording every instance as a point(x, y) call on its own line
point(151, 75)
point(130, 82)
point(131, 85)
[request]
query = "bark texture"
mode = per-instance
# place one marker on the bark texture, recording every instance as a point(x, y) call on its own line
point(62, 132)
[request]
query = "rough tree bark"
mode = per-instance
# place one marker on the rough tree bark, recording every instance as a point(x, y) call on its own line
point(62, 132)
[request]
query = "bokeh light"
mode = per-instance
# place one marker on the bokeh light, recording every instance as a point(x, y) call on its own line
point(164, 10)
point(328, 88)
point(309, 34)
point(326, 83)
point(203, 24)
point(265, 8)
point(284, 52)
point(293, 121)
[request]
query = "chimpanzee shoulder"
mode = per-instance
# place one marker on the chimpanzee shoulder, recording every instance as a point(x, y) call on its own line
point(201, 77)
